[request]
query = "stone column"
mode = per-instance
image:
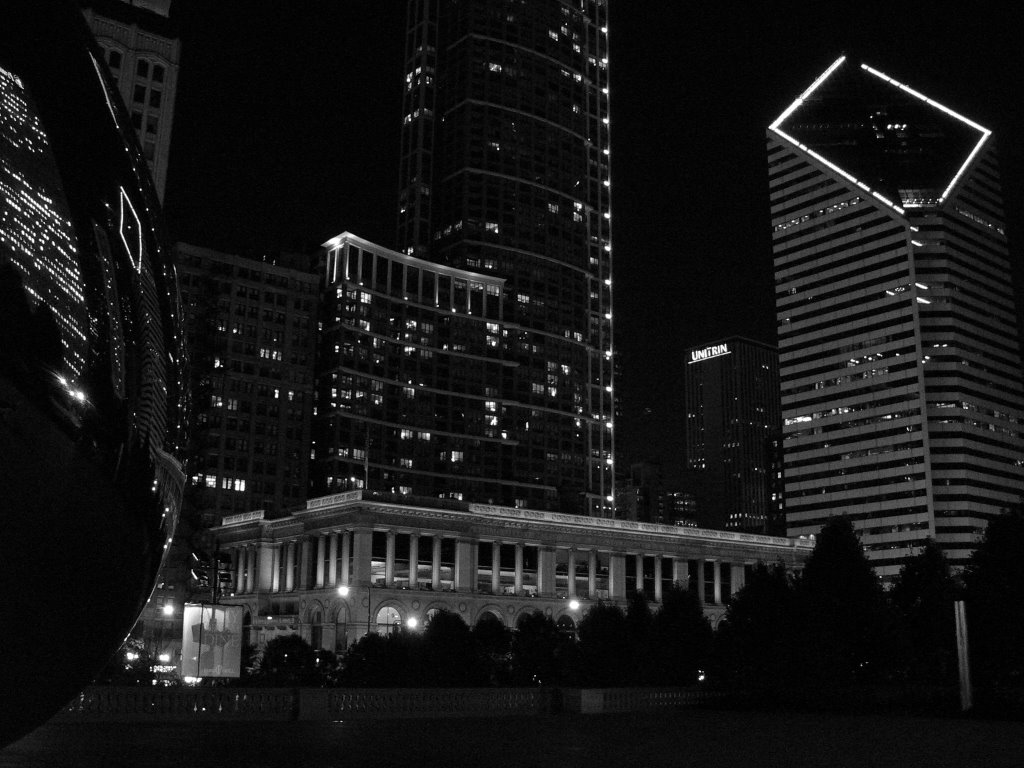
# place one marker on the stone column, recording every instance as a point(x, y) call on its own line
point(346, 558)
point(250, 581)
point(496, 568)
point(657, 578)
point(389, 561)
point(681, 572)
point(519, 568)
point(640, 573)
point(289, 566)
point(546, 571)
point(276, 568)
point(617, 576)
point(362, 542)
point(332, 559)
point(465, 565)
point(739, 577)
point(305, 554)
point(717, 571)
point(321, 553)
point(435, 565)
point(592, 574)
point(699, 579)
point(241, 570)
point(572, 572)
point(414, 560)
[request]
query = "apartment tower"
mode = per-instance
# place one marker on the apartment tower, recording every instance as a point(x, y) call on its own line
point(505, 172)
point(899, 363)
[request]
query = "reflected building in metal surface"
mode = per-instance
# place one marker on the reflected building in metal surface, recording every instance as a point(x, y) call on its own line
point(139, 43)
point(92, 388)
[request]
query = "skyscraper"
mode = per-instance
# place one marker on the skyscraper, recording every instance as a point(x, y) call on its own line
point(900, 371)
point(732, 425)
point(142, 52)
point(410, 368)
point(250, 326)
point(505, 172)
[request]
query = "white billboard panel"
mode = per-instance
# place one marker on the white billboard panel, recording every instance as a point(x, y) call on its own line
point(211, 645)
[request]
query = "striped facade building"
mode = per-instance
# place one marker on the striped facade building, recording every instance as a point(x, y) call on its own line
point(898, 339)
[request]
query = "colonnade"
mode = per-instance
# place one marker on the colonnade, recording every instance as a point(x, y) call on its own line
point(334, 558)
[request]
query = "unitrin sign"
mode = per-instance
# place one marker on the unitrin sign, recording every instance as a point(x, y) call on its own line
point(700, 355)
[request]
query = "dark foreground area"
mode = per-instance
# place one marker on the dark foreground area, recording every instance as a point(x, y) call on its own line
point(708, 738)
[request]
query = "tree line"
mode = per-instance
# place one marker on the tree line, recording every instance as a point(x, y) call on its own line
point(784, 636)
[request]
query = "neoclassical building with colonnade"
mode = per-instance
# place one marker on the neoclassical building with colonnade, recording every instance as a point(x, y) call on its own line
point(364, 561)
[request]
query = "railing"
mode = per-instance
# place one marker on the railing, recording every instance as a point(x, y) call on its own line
point(590, 701)
point(161, 704)
point(138, 704)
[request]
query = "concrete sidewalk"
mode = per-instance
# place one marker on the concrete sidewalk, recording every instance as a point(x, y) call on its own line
point(705, 738)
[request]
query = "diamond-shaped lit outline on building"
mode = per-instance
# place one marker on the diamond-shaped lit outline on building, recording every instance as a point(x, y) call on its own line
point(774, 127)
point(136, 258)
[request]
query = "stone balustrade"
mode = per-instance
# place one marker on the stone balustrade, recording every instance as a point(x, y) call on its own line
point(157, 704)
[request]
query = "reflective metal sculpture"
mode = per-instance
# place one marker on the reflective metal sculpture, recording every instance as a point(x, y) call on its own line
point(91, 366)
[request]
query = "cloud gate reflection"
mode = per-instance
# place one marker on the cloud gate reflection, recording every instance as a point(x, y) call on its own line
point(91, 366)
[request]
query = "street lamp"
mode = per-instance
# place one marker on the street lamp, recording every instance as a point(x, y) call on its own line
point(574, 605)
point(411, 622)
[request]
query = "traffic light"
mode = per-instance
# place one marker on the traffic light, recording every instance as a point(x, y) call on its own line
point(222, 561)
point(199, 570)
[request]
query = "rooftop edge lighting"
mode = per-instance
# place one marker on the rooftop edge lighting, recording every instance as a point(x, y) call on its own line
point(985, 132)
point(774, 127)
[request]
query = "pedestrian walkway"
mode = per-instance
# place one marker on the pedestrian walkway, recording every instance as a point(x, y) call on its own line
point(705, 738)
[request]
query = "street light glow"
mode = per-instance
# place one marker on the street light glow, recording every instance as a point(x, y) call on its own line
point(412, 622)
point(574, 605)
point(343, 590)
point(168, 609)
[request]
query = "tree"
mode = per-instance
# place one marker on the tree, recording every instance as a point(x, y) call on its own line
point(537, 651)
point(994, 580)
point(383, 661)
point(291, 661)
point(922, 596)
point(449, 654)
point(756, 640)
point(493, 642)
point(847, 630)
point(605, 651)
point(680, 638)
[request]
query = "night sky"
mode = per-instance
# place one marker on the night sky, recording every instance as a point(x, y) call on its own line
point(287, 132)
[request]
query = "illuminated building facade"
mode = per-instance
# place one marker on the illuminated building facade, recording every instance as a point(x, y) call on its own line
point(505, 172)
point(898, 341)
point(398, 558)
point(142, 52)
point(732, 425)
point(411, 369)
point(251, 329)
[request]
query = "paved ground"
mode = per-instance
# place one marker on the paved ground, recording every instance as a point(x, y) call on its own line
point(700, 738)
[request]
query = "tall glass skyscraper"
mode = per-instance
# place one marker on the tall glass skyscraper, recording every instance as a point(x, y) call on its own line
point(898, 341)
point(505, 172)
